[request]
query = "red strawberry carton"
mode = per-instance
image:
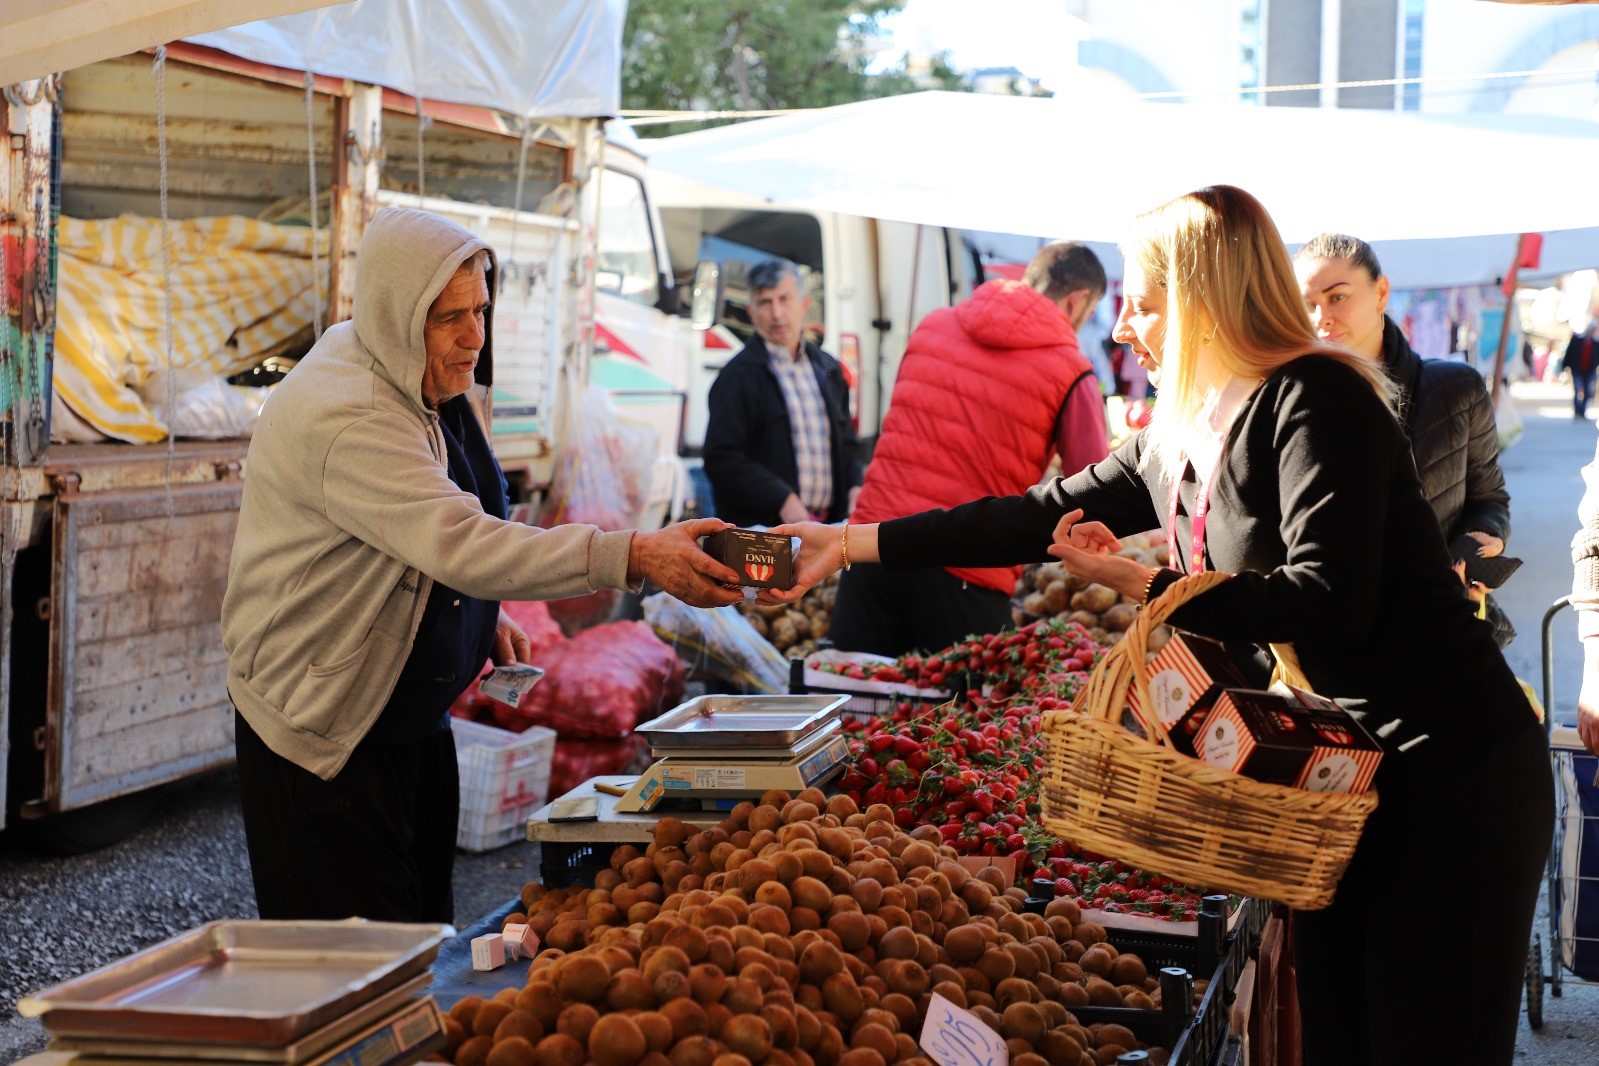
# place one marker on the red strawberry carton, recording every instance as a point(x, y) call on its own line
point(763, 560)
point(1185, 678)
point(1297, 739)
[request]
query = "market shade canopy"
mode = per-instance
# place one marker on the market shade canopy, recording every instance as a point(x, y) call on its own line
point(40, 37)
point(1059, 167)
point(557, 59)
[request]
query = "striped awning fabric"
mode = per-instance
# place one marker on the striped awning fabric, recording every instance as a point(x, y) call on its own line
point(239, 286)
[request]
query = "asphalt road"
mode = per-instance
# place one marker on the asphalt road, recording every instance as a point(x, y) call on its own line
point(63, 916)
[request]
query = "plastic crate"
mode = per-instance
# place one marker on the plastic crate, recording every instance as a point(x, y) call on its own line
point(505, 777)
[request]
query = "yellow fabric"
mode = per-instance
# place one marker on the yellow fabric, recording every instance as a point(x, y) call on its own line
point(232, 277)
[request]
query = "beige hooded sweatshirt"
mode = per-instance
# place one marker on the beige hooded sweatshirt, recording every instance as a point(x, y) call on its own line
point(349, 515)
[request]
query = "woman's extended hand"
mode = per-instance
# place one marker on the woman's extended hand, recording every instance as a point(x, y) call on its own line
point(820, 553)
point(1088, 549)
point(1490, 545)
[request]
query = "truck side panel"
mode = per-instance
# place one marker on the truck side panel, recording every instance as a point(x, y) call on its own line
point(138, 691)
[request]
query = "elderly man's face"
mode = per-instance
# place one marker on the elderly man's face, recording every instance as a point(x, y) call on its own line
point(454, 334)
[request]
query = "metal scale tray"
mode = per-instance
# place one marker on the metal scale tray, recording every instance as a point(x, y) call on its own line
point(260, 983)
point(741, 725)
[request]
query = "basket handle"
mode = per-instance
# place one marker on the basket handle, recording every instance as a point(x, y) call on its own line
point(1124, 665)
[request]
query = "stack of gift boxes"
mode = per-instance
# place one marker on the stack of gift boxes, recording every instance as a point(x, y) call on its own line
point(1285, 736)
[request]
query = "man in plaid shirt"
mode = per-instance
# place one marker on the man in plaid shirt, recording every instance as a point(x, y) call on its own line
point(780, 446)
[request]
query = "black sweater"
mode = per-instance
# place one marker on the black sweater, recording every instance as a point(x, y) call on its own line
point(1317, 509)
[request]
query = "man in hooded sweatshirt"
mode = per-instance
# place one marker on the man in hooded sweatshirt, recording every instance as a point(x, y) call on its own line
point(363, 593)
point(987, 392)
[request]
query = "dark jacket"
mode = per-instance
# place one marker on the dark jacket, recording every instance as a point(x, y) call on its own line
point(1581, 354)
point(749, 444)
point(1316, 508)
point(1449, 418)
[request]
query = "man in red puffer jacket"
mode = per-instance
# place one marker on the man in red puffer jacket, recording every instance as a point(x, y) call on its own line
point(988, 391)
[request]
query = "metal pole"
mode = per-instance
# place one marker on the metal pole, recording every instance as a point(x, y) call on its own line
point(1504, 324)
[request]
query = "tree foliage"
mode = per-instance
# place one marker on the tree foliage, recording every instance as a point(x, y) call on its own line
point(760, 54)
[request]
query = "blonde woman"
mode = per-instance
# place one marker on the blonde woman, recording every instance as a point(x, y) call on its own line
point(1279, 460)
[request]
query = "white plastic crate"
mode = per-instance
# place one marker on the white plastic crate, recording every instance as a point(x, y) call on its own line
point(505, 777)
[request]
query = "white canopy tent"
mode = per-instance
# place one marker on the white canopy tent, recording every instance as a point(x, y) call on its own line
point(40, 37)
point(549, 60)
point(1442, 196)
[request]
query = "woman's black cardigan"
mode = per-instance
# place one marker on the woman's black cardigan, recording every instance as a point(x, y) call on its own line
point(1317, 509)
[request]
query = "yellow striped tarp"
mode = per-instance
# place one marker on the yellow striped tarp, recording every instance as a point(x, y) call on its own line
point(233, 279)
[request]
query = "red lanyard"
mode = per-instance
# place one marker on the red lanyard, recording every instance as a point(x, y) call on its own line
point(1196, 539)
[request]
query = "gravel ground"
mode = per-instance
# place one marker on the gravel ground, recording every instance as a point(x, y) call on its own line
point(185, 867)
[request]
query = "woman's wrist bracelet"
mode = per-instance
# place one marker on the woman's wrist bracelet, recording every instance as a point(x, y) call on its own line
point(846, 545)
point(1149, 586)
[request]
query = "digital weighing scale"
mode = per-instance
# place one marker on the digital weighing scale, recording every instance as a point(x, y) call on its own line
point(729, 748)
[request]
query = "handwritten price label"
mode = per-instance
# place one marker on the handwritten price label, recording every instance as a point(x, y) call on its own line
point(954, 1037)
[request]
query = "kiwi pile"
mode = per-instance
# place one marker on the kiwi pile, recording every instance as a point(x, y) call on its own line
point(801, 931)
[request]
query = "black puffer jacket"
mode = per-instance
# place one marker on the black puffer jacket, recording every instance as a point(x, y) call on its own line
point(1446, 411)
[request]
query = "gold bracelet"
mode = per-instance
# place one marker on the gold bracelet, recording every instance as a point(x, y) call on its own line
point(1149, 585)
point(846, 545)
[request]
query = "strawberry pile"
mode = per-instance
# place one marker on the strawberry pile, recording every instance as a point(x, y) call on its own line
point(1108, 885)
point(1049, 657)
point(968, 765)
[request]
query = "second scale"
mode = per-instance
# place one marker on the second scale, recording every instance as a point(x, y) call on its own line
point(723, 749)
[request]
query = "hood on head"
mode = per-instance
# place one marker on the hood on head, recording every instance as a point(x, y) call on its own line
point(1008, 314)
point(406, 259)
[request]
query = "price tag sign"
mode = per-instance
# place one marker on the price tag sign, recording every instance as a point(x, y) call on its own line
point(1005, 864)
point(952, 1036)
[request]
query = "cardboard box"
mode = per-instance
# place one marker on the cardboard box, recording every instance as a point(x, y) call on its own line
point(1300, 740)
point(763, 560)
point(1185, 677)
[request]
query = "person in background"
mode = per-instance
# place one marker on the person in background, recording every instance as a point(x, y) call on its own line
point(1585, 598)
point(1443, 406)
point(779, 443)
point(371, 556)
point(988, 392)
point(1582, 359)
point(1276, 458)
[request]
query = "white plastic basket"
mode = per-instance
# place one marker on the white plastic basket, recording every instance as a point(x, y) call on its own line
point(867, 699)
point(505, 777)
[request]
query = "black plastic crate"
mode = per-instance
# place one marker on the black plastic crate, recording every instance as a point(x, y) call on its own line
point(1194, 1035)
point(565, 865)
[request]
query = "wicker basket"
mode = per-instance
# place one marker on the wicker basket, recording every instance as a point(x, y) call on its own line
point(1142, 802)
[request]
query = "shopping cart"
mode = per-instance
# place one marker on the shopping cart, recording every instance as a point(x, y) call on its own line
point(1574, 858)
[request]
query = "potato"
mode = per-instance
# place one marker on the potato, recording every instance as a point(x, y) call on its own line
point(783, 635)
point(1033, 603)
point(1056, 598)
point(1118, 616)
point(1096, 598)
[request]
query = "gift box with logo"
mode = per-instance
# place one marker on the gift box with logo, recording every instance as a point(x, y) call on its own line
point(763, 560)
point(1185, 677)
point(1297, 739)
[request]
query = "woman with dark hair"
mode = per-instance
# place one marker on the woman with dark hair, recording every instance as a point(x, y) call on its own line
point(1277, 459)
point(1443, 406)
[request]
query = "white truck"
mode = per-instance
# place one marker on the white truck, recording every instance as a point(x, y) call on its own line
point(114, 555)
point(870, 283)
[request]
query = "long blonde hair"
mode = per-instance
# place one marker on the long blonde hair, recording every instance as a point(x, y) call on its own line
point(1224, 267)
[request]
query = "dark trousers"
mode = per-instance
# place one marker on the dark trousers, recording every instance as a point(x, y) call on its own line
point(891, 612)
point(1422, 954)
point(377, 841)
point(1581, 391)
